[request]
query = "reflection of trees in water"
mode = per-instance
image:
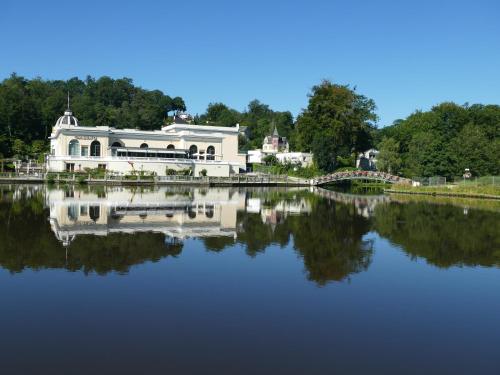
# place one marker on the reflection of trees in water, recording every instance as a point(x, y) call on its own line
point(442, 234)
point(27, 242)
point(329, 239)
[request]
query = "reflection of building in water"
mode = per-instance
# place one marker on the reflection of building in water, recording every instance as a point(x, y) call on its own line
point(278, 212)
point(177, 213)
point(187, 213)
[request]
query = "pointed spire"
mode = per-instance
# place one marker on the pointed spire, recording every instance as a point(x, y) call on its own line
point(275, 131)
point(68, 111)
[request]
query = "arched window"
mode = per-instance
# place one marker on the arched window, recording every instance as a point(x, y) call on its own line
point(210, 153)
point(209, 211)
point(94, 213)
point(192, 151)
point(73, 212)
point(144, 145)
point(116, 144)
point(95, 148)
point(170, 147)
point(74, 147)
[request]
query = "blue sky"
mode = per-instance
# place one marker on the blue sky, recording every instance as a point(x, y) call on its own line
point(406, 55)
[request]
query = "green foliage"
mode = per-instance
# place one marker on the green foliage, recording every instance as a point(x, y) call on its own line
point(170, 172)
point(337, 123)
point(29, 108)
point(258, 118)
point(203, 172)
point(270, 160)
point(444, 141)
point(389, 158)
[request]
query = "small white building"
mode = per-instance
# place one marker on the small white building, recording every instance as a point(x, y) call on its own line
point(367, 160)
point(179, 146)
point(255, 156)
point(305, 159)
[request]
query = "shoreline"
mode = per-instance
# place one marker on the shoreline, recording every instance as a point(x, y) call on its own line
point(444, 194)
point(201, 181)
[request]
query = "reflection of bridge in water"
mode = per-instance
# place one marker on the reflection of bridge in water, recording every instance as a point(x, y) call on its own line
point(365, 204)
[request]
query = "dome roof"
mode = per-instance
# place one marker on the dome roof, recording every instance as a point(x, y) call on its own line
point(67, 119)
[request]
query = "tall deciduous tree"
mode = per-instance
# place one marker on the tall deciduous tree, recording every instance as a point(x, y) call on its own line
point(336, 124)
point(389, 158)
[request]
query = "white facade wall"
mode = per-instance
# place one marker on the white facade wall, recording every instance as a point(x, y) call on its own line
point(303, 158)
point(224, 140)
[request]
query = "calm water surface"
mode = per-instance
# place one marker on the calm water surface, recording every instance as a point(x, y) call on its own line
point(116, 280)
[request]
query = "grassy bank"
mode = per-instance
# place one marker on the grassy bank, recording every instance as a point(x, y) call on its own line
point(459, 190)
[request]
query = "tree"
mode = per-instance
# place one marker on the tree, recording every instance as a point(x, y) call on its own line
point(29, 108)
point(471, 149)
point(447, 139)
point(336, 124)
point(389, 158)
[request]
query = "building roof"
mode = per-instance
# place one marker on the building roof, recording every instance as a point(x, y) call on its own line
point(67, 119)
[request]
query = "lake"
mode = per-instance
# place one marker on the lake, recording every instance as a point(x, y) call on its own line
point(233, 280)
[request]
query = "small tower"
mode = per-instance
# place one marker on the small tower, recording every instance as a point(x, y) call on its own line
point(67, 118)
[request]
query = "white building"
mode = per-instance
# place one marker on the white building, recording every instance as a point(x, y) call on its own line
point(177, 146)
point(367, 160)
point(305, 159)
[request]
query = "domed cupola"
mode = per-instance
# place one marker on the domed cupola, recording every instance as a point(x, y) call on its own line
point(68, 118)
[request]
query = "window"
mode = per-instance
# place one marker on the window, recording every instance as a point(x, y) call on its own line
point(114, 146)
point(209, 211)
point(210, 153)
point(101, 166)
point(70, 167)
point(170, 147)
point(85, 150)
point(94, 212)
point(144, 145)
point(73, 212)
point(74, 148)
point(95, 148)
point(193, 152)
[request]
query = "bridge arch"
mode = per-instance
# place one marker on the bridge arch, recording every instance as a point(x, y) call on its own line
point(360, 175)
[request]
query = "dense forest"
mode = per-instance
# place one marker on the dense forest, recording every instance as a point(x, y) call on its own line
point(443, 142)
point(29, 108)
point(336, 125)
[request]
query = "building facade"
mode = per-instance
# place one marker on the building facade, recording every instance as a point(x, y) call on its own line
point(274, 143)
point(367, 160)
point(179, 146)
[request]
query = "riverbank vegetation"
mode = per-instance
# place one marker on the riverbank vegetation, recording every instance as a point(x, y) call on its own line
point(443, 142)
point(336, 125)
point(487, 185)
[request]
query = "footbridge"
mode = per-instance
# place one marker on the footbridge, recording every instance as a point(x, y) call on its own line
point(360, 175)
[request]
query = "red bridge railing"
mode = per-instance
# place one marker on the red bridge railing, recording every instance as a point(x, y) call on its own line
point(361, 175)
